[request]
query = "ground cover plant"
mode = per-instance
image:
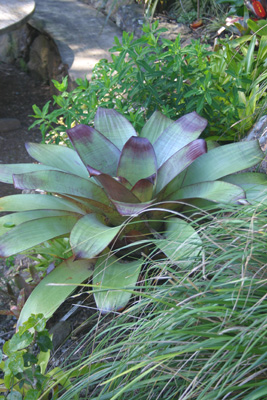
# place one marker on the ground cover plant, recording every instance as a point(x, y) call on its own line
point(194, 330)
point(151, 73)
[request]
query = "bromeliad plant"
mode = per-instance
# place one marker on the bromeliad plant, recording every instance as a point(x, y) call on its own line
point(106, 192)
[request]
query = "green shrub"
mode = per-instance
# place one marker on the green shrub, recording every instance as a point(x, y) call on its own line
point(149, 74)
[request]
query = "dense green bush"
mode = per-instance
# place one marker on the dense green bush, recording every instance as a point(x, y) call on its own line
point(151, 73)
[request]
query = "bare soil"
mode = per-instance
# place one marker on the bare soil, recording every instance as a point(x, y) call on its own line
point(18, 93)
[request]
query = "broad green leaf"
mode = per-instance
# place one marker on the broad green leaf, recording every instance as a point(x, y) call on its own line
point(181, 243)
point(254, 184)
point(56, 156)
point(8, 170)
point(114, 280)
point(27, 202)
point(259, 27)
point(114, 126)
point(156, 124)
point(131, 209)
point(90, 236)
point(179, 161)
point(10, 221)
point(137, 161)
point(218, 191)
point(95, 149)
point(46, 298)
point(61, 182)
point(114, 188)
point(222, 161)
point(249, 59)
point(177, 135)
point(31, 233)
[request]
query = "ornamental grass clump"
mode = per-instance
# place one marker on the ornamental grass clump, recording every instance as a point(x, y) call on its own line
point(115, 189)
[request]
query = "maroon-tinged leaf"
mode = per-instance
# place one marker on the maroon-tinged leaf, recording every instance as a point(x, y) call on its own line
point(114, 126)
point(8, 170)
point(224, 160)
point(138, 160)
point(130, 209)
point(61, 182)
point(154, 127)
point(114, 189)
point(59, 157)
point(177, 135)
point(94, 148)
point(179, 161)
point(124, 182)
point(143, 190)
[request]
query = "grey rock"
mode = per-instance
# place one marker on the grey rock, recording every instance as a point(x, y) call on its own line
point(9, 124)
point(259, 132)
point(44, 60)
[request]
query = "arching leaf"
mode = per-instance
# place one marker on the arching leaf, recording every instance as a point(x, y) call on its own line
point(114, 126)
point(95, 149)
point(46, 298)
point(222, 161)
point(10, 221)
point(60, 157)
point(8, 170)
point(179, 161)
point(154, 127)
point(177, 135)
point(90, 236)
point(27, 202)
point(61, 182)
point(31, 233)
point(218, 191)
point(114, 280)
point(138, 160)
point(181, 243)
